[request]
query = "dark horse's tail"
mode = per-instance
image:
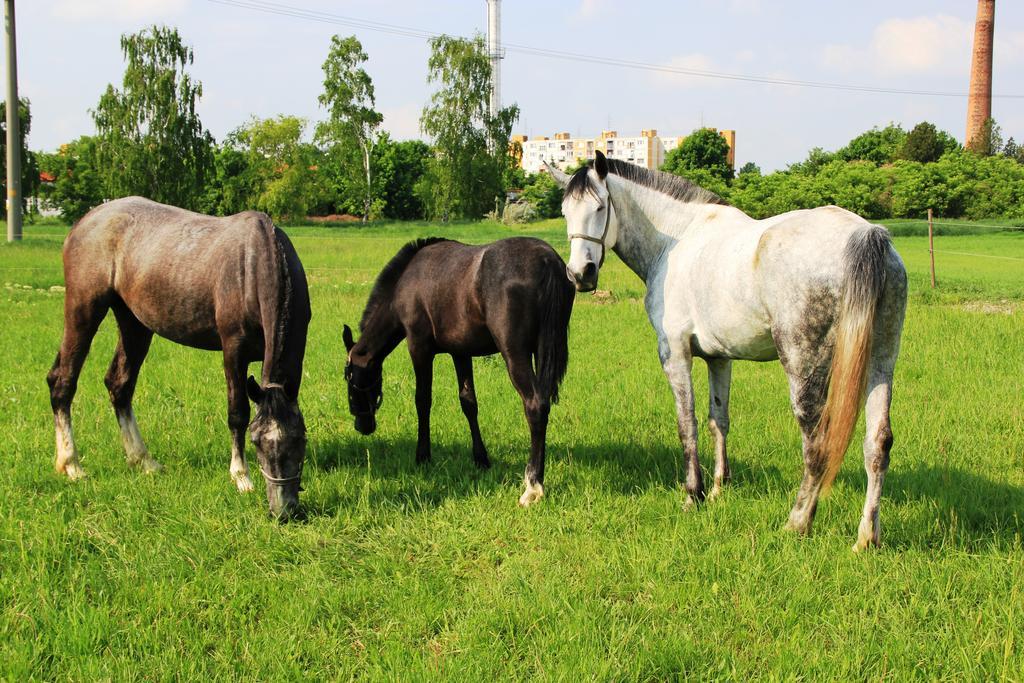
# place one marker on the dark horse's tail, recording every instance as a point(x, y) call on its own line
point(556, 297)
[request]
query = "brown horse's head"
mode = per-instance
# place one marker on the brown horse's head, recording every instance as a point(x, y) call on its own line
point(279, 434)
point(365, 385)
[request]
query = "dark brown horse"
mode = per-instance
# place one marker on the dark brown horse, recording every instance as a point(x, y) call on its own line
point(509, 297)
point(233, 284)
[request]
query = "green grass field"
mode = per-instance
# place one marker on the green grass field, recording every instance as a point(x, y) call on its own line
point(411, 573)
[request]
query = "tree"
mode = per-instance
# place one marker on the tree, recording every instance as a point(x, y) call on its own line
point(233, 187)
point(544, 194)
point(922, 144)
point(704, 149)
point(77, 182)
point(749, 167)
point(352, 127)
point(29, 165)
point(280, 164)
point(879, 146)
point(990, 142)
point(400, 166)
point(1014, 151)
point(464, 179)
point(151, 141)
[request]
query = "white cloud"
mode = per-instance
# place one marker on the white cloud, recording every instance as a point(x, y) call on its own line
point(131, 10)
point(936, 46)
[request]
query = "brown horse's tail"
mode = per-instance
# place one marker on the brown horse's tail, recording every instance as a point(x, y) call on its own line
point(863, 284)
point(556, 297)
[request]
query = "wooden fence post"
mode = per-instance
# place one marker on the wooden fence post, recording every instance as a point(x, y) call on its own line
point(931, 246)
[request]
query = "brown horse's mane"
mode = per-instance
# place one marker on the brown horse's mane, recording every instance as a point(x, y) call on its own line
point(284, 309)
point(388, 278)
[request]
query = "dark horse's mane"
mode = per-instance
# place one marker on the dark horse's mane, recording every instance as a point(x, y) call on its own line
point(284, 304)
point(666, 183)
point(388, 277)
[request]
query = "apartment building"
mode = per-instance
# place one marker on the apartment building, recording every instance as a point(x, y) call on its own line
point(647, 149)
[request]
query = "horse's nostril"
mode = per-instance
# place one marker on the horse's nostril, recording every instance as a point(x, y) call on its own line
point(589, 271)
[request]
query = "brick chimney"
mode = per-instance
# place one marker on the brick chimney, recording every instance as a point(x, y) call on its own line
point(979, 97)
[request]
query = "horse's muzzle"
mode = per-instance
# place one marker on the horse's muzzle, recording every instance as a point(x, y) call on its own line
point(366, 424)
point(284, 502)
point(585, 281)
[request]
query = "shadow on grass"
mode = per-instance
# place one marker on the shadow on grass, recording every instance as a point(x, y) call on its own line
point(942, 507)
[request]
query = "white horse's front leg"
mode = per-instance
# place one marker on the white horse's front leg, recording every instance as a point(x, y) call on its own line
point(719, 378)
point(677, 362)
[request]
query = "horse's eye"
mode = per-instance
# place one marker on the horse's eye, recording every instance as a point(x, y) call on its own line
point(600, 208)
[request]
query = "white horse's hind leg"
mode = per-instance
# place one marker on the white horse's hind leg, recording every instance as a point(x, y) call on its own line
point(807, 395)
point(877, 444)
point(719, 378)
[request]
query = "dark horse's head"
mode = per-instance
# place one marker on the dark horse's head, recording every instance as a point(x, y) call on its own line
point(365, 385)
point(279, 434)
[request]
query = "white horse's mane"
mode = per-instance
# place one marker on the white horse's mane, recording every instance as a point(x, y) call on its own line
point(674, 186)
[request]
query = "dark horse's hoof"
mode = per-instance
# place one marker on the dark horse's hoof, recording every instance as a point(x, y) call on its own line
point(482, 462)
point(422, 459)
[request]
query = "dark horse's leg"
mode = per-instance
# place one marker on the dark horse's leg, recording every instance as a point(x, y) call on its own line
point(537, 406)
point(235, 367)
point(82, 317)
point(423, 364)
point(467, 397)
point(132, 347)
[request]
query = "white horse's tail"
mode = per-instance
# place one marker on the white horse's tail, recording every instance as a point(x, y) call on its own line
point(863, 283)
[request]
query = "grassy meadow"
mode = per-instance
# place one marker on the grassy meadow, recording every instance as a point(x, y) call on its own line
point(413, 573)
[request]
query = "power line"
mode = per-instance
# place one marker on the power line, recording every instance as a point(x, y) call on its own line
point(411, 32)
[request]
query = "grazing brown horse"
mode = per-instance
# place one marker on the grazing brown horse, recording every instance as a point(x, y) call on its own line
point(233, 284)
point(509, 297)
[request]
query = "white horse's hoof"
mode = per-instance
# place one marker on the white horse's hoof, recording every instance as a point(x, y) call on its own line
point(243, 482)
point(531, 495)
point(73, 471)
point(715, 492)
point(146, 465)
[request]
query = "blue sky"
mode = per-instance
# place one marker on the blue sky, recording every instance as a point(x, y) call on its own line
point(253, 63)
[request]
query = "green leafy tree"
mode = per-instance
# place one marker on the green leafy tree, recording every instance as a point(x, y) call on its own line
point(1014, 151)
point(400, 166)
point(990, 142)
point(281, 165)
point(151, 141)
point(352, 129)
point(923, 144)
point(544, 194)
point(29, 164)
point(704, 149)
point(465, 177)
point(878, 145)
point(749, 167)
point(77, 182)
point(233, 188)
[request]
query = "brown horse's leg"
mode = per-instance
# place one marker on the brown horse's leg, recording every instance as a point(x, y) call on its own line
point(536, 406)
point(132, 347)
point(467, 398)
point(81, 320)
point(423, 365)
point(235, 368)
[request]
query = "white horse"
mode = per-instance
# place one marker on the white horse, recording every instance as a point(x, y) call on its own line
point(821, 290)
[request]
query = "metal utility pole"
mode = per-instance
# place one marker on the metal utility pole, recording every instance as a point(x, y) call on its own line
point(13, 131)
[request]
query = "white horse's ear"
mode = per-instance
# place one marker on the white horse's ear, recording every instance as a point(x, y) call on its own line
point(601, 165)
point(560, 176)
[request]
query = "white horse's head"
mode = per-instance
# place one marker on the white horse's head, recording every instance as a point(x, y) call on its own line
point(590, 221)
